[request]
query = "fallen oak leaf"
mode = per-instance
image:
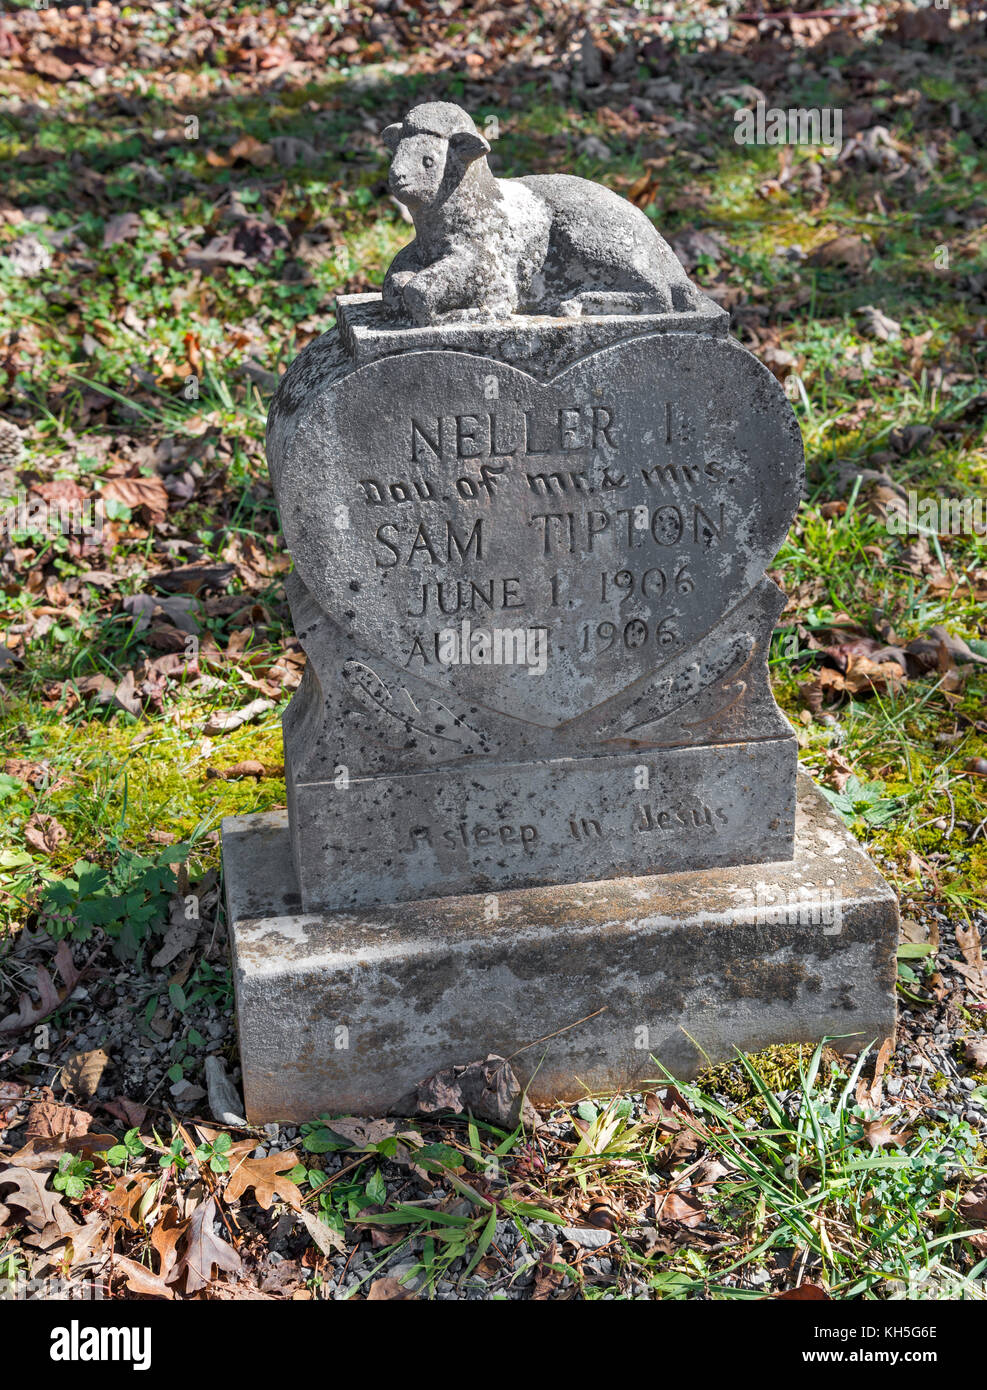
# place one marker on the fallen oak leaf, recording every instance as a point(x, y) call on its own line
point(864, 676)
point(879, 1134)
point(86, 1240)
point(674, 1117)
point(266, 1177)
point(44, 833)
point(363, 1134)
point(52, 1119)
point(851, 252)
point(82, 1072)
point(391, 1290)
point(956, 647)
point(871, 1094)
point(129, 1112)
point(127, 1198)
point(973, 1203)
point(168, 1231)
point(489, 1090)
point(204, 1250)
point(139, 1279)
point(123, 227)
point(29, 1013)
point(548, 1276)
point(42, 1208)
point(838, 770)
point(140, 492)
point(972, 966)
point(40, 1153)
point(673, 1206)
point(330, 1242)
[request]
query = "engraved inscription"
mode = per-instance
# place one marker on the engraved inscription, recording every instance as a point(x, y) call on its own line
point(615, 510)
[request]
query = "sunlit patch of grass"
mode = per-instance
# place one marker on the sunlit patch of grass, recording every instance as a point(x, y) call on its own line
point(133, 780)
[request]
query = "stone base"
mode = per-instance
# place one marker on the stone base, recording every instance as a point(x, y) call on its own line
point(347, 1011)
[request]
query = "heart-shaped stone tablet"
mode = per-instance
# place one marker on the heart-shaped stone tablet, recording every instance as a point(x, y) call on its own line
point(537, 547)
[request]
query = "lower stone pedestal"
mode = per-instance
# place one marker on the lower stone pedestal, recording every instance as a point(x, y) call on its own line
point(344, 1012)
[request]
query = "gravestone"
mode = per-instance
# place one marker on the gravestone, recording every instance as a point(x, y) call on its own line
point(538, 788)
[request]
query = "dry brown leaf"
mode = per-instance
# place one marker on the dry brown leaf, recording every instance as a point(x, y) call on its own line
point(44, 833)
point(911, 931)
point(838, 770)
point(254, 151)
point(139, 1279)
point(266, 1177)
point(871, 1093)
point(24, 1189)
point(972, 966)
point(973, 1204)
point(204, 1249)
point(547, 1279)
point(674, 1206)
point(864, 677)
point(126, 1197)
point(168, 1230)
point(673, 1116)
point(879, 1134)
point(51, 1119)
point(968, 940)
point(89, 1239)
point(329, 1241)
point(136, 493)
point(29, 1013)
point(47, 1153)
point(851, 252)
point(82, 1072)
point(710, 1172)
point(488, 1089)
point(361, 1133)
point(164, 1240)
point(391, 1290)
point(804, 1292)
point(123, 227)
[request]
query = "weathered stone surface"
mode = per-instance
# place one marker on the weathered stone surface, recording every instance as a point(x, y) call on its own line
point(350, 1011)
point(648, 486)
point(466, 830)
point(536, 342)
point(606, 515)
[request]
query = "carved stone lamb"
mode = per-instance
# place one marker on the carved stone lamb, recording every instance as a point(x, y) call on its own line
point(486, 248)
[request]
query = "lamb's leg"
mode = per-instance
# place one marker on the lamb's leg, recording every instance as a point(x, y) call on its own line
point(404, 267)
point(448, 290)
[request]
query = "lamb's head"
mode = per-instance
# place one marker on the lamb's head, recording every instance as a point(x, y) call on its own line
point(431, 149)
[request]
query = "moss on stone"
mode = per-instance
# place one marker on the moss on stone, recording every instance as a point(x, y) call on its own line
point(781, 1067)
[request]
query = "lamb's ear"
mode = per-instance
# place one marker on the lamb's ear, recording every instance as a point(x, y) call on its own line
point(468, 145)
point(391, 134)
